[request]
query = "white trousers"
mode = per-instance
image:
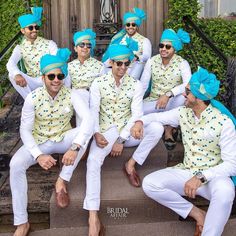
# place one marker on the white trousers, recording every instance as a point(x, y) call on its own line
point(32, 84)
point(84, 94)
point(166, 186)
point(97, 155)
point(94, 163)
point(150, 107)
point(22, 160)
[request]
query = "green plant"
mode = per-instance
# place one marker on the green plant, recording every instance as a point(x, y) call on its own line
point(220, 31)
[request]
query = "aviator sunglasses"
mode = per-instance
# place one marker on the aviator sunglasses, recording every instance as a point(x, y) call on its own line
point(187, 91)
point(53, 76)
point(82, 45)
point(130, 24)
point(31, 27)
point(120, 63)
point(167, 46)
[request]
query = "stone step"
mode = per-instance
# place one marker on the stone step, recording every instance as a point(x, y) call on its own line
point(170, 228)
point(120, 202)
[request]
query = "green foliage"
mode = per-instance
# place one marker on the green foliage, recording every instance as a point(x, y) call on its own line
point(220, 31)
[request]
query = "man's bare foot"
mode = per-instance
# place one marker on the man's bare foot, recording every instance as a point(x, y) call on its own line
point(62, 196)
point(130, 165)
point(199, 215)
point(60, 185)
point(94, 224)
point(22, 230)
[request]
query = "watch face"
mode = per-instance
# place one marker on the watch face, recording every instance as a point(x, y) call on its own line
point(168, 94)
point(73, 147)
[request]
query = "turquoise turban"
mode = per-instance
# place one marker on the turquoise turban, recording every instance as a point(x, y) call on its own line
point(177, 39)
point(29, 19)
point(50, 62)
point(137, 16)
point(205, 86)
point(86, 34)
point(121, 52)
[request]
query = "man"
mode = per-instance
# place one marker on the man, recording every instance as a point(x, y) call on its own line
point(115, 103)
point(31, 49)
point(132, 21)
point(84, 69)
point(169, 74)
point(45, 129)
point(209, 141)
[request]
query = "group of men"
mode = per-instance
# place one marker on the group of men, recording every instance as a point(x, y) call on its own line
point(107, 99)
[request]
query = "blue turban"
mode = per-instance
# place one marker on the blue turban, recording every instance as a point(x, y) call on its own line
point(29, 19)
point(121, 52)
point(50, 62)
point(205, 86)
point(137, 16)
point(177, 39)
point(86, 34)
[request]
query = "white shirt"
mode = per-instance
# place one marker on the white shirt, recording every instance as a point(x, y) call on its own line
point(227, 142)
point(28, 116)
point(147, 50)
point(179, 89)
point(136, 106)
point(16, 56)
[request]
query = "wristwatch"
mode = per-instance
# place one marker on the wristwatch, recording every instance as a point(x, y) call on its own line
point(201, 177)
point(120, 140)
point(74, 147)
point(169, 94)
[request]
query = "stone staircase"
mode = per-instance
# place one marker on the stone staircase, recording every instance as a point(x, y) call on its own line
point(125, 210)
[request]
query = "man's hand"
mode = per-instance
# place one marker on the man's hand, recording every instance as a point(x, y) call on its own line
point(69, 157)
point(46, 161)
point(100, 140)
point(20, 80)
point(117, 149)
point(191, 186)
point(137, 130)
point(162, 102)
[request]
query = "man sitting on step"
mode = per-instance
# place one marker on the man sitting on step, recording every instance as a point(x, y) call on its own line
point(169, 73)
point(30, 50)
point(115, 103)
point(45, 129)
point(209, 139)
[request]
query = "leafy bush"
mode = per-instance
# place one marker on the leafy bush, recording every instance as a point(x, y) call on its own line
point(220, 31)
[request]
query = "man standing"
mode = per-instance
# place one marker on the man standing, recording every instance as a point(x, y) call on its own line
point(209, 139)
point(132, 21)
point(116, 103)
point(169, 74)
point(45, 129)
point(31, 49)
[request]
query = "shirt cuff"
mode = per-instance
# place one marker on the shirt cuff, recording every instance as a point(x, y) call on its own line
point(35, 152)
point(81, 140)
point(208, 174)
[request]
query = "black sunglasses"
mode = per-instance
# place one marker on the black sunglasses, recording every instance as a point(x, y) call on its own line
point(120, 63)
point(53, 76)
point(82, 45)
point(167, 46)
point(130, 24)
point(31, 27)
point(187, 91)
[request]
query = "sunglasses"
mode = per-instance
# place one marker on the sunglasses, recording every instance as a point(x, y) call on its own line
point(53, 76)
point(120, 63)
point(187, 91)
point(167, 46)
point(130, 24)
point(82, 45)
point(31, 27)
